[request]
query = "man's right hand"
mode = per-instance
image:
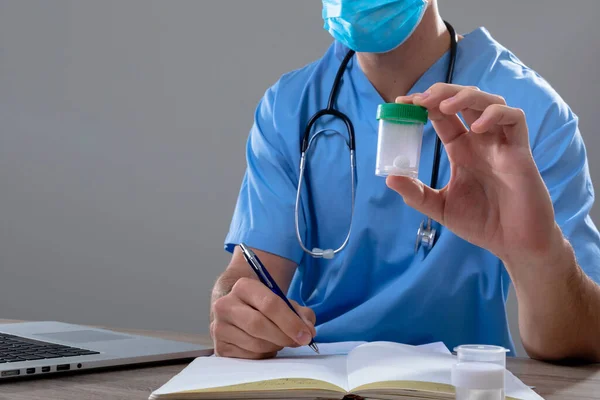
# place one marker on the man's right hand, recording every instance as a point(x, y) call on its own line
point(253, 322)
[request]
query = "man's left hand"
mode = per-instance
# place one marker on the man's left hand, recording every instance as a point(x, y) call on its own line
point(496, 198)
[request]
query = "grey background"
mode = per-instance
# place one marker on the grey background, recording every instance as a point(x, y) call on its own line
point(122, 134)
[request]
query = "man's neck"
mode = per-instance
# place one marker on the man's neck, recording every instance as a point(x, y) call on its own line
point(394, 73)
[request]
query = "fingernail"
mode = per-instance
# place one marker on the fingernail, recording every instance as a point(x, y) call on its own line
point(303, 338)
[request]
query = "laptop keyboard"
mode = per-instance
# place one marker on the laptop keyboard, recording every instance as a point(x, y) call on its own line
point(18, 349)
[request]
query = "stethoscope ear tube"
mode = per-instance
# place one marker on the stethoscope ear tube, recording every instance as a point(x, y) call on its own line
point(317, 252)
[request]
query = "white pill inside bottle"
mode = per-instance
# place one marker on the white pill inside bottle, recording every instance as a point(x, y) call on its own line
point(399, 139)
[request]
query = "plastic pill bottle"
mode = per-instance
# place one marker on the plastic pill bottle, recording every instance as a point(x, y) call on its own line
point(479, 373)
point(399, 139)
point(478, 381)
point(481, 353)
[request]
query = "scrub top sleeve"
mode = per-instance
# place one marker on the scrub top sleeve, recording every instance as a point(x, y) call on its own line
point(264, 212)
point(560, 156)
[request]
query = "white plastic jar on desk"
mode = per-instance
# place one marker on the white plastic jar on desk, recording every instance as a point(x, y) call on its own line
point(399, 139)
point(480, 372)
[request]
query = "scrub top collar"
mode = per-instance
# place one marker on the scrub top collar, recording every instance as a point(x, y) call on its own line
point(468, 47)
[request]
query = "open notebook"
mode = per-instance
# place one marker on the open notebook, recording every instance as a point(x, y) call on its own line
point(377, 370)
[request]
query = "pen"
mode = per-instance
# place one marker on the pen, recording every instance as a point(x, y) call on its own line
point(265, 278)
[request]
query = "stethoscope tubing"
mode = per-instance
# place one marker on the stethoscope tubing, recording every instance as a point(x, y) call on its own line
point(426, 235)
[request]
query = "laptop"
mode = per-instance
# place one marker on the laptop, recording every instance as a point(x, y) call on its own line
point(43, 348)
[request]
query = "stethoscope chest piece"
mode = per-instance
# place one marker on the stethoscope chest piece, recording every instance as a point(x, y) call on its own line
point(425, 236)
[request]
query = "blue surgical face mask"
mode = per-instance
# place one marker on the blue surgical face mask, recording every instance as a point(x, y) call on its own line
point(372, 26)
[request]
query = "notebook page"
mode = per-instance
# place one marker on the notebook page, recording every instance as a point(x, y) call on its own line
point(329, 349)
point(436, 347)
point(325, 349)
point(517, 389)
point(211, 372)
point(383, 361)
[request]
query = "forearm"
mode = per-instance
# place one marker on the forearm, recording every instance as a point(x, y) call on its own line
point(559, 306)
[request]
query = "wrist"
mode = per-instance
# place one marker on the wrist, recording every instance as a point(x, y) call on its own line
point(554, 261)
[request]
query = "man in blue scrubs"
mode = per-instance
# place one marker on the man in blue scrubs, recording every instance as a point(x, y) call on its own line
point(513, 208)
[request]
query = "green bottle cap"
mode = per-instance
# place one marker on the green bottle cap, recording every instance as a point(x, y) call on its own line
point(402, 113)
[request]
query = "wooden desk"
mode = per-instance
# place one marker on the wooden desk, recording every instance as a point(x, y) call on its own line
point(551, 381)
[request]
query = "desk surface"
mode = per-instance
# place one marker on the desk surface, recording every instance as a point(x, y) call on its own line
point(553, 382)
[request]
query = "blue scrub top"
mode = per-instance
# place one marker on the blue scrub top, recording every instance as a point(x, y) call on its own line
point(377, 288)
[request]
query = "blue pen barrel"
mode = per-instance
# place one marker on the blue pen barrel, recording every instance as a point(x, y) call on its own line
point(266, 279)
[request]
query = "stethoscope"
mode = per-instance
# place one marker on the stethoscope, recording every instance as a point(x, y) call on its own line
point(426, 235)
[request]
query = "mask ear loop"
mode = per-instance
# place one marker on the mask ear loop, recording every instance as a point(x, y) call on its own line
point(317, 252)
